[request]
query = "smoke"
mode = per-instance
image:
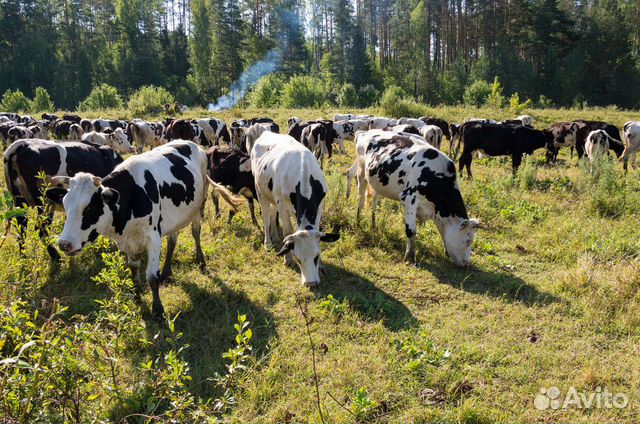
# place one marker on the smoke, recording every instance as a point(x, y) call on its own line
point(238, 89)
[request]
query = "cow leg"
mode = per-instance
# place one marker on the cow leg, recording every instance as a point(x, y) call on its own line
point(167, 271)
point(216, 203)
point(252, 211)
point(287, 229)
point(267, 220)
point(22, 222)
point(362, 193)
point(580, 151)
point(410, 225)
point(231, 215)
point(465, 161)
point(374, 206)
point(134, 267)
point(516, 160)
point(153, 275)
point(195, 232)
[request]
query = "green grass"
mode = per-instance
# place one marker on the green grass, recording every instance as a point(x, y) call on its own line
point(552, 299)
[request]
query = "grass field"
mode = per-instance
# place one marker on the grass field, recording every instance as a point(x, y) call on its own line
point(552, 298)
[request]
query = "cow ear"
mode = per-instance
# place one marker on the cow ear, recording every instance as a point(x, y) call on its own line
point(110, 196)
point(55, 195)
point(329, 237)
point(97, 181)
point(61, 180)
point(288, 247)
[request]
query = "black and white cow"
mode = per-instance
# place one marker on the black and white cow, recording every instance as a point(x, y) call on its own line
point(18, 132)
point(405, 168)
point(432, 134)
point(143, 133)
point(4, 131)
point(597, 144)
point(440, 123)
point(75, 132)
point(406, 128)
point(289, 183)
point(564, 135)
point(147, 197)
point(349, 117)
point(27, 120)
point(499, 140)
point(631, 134)
point(100, 125)
point(416, 123)
point(49, 117)
point(181, 129)
point(24, 160)
point(240, 126)
point(72, 117)
point(117, 140)
point(231, 168)
point(380, 122)
point(347, 129)
point(293, 120)
point(214, 129)
point(86, 125)
point(40, 129)
point(12, 116)
point(585, 127)
point(319, 138)
point(61, 129)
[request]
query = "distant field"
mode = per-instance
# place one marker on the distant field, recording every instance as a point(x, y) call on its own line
point(552, 299)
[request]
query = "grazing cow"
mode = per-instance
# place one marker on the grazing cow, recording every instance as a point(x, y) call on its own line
point(416, 123)
point(231, 168)
point(432, 134)
point(597, 144)
point(293, 120)
point(254, 132)
point(86, 125)
point(72, 117)
point(18, 132)
point(498, 140)
point(214, 130)
point(181, 129)
point(289, 183)
point(145, 198)
point(27, 120)
point(296, 129)
point(100, 125)
point(631, 133)
point(405, 168)
point(75, 132)
point(49, 117)
point(142, 133)
point(239, 126)
point(378, 123)
point(116, 140)
point(406, 128)
point(564, 135)
point(13, 116)
point(4, 120)
point(347, 129)
point(4, 131)
point(585, 127)
point(25, 160)
point(440, 123)
point(40, 129)
point(349, 117)
point(481, 120)
point(319, 138)
point(61, 129)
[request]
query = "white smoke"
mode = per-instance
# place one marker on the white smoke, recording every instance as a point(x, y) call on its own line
point(238, 89)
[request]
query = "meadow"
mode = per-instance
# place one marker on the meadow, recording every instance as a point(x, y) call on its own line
point(552, 298)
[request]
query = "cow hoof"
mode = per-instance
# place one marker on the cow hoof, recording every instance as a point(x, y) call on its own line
point(311, 284)
point(410, 258)
point(157, 313)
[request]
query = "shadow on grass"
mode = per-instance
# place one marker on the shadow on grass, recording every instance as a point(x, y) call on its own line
point(502, 285)
point(363, 295)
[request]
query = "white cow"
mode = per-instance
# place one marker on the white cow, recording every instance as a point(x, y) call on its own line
point(417, 123)
point(432, 134)
point(379, 123)
point(214, 130)
point(116, 140)
point(289, 183)
point(631, 135)
point(527, 120)
point(252, 133)
point(147, 134)
point(75, 132)
point(596, 144)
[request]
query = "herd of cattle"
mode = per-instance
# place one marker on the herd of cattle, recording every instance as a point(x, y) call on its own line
point(138, 200)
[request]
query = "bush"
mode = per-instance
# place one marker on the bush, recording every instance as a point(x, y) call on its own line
point(515, 106)
point(101, 97)
point(544, 102)
point(41, 101)
point(149, 99)
point(395, 105)
point(496, 99)
point(608, 194)
point(303, 91)
point(367, 96)
point(267, 91)
point(477, 93)
point(348, 96)
point(527, 173)
point(15, 101)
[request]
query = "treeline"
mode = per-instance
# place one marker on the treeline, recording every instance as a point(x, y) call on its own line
point(561, 52)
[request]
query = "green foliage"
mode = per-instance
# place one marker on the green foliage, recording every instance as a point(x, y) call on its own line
point(267, 91)
point(303, 91)
point(367, 95)
point(348, 96)
point(15, 101)
point(362, 404)
point(544, 102)
point(149, 100)
point(101, 97)
point(527, 173)
point(608, 195)
point(523, 211)
point(41, 101)
point(515, 106)
point(477, 93)
point(333, 306)
point(419, 351)
point(395, 105)
point(496, 98)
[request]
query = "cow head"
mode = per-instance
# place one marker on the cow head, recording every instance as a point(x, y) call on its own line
point(119, 141)
point(458, 239)
point(304, 246)
point(85, 205)
point(237, 136)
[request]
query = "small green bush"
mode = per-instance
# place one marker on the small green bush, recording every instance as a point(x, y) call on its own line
point(347, 96)
point(149, 99)
point(527, 173)
point(477, 93)
point(267, 91)
point(101, 97)
point(496, 98)
point(515, 106)
point(394, 104)
point(15, 101)
point(303, 91)
point(41, 101)
point(367, 96)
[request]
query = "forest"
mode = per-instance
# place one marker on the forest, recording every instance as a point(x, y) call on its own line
point(556, 52)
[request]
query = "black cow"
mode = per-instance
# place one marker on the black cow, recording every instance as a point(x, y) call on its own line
point(440, 123)
point(61, 129)
point(86, 125)
point(181, 129)
point(24, 160)
point(499, 140)
point(49, 117)
point(72, 117)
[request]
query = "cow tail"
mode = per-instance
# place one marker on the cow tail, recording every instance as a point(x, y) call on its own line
point(233, 200)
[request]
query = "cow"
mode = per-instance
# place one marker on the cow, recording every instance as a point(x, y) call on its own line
point(296, 129)
point(239, 127)
point(432, 134)
point(27, 120)
point(349, 117)
point(214, 130)
point(481, 120)
point(585, 127)
point(289, 183)
point(527, 120)
point(293, 120)
point(75, 132)
point(86, 125)
point(25, 160)
point(40, 129)
point(145, 198)
point(181, 129)
point(440, 123)
point(4, 131)
point(416, 123)
point(631, 133)
point(403, 167)
point(12, 116)
point(4, 120)
point(117, 140)
point(319, 138)
point(72, 117)
point(517, 122)
point(379, 122)
point(231, 168)
point(142, 133)
point(61, 129)
point(18, 132)
point(347, 129)
point(410, 129)
point(254, 132)
point(498, 140)
point(100, 125)
point(597, 144)
point(564, 135)
point(49, 117)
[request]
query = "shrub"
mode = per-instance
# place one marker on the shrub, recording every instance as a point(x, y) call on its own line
point(544, 102)
point(149, 99)
point(527, 173)
point(267, 91)
point(608, 194)
point(394, 104)
point(496, 99)
point(515, 106)
point(101, 97)
point(347, 96)
point(41, 101)
point(367, 96)
point(303, 91)
point(15, 101)
point(477, 93)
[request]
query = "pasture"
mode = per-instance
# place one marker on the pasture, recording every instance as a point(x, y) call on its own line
point(552, 298)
